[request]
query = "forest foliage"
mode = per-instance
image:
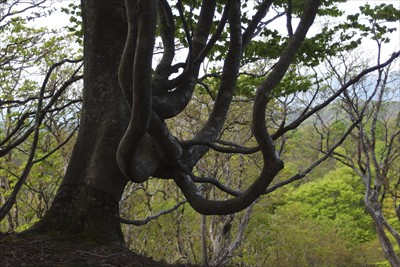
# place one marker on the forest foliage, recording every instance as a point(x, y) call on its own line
point(320, 220)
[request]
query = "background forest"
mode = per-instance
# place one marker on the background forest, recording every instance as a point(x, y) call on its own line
point(319, 218)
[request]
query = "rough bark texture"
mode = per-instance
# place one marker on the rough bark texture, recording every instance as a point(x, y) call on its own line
point(86, 204)
point(387, 247)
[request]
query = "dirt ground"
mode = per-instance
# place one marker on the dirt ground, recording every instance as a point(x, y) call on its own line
point(29, 251)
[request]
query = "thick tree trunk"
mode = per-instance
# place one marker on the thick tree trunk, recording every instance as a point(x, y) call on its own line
point(86, 205)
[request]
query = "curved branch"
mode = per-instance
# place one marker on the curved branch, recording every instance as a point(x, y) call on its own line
point(179, 90)
point(140, 91)
point(227, 148)
point(230, 71)
point(125, 69)
point(170, 104)
point(167, 32)
point(272, 164)
point(225, 207)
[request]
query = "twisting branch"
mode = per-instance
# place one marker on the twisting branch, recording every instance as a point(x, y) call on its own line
point(167, 32)
point(272, 165)
point(263, 92)
point(227, 148)
point(137, 90)
point(125, 70)
point(229, 75)
point(179, 90)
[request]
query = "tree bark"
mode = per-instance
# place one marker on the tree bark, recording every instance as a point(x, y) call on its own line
point(87, 202)
point(386, 244)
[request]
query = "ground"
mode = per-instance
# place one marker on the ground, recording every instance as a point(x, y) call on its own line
point(51, 252)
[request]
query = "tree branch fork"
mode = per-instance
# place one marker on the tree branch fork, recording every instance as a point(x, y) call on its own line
point(148, 149)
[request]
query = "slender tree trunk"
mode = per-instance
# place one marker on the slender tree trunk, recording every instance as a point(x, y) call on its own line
point(204, 240)
point(386, 244)
point(5, 185)
point(87, 203)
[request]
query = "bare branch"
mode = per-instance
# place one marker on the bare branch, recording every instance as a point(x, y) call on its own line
point(20, 123)
point(316, 163)
point(352, 81)
point(152, 217)
point(57, 147)
point(14, 12)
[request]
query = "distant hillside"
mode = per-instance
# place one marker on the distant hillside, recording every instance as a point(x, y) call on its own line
point(390, 110)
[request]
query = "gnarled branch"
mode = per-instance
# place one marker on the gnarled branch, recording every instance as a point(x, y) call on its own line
point(136, 83)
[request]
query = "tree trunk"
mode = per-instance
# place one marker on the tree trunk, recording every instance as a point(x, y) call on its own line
point(204, 254)
point(387, 247)
point(87, 203)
